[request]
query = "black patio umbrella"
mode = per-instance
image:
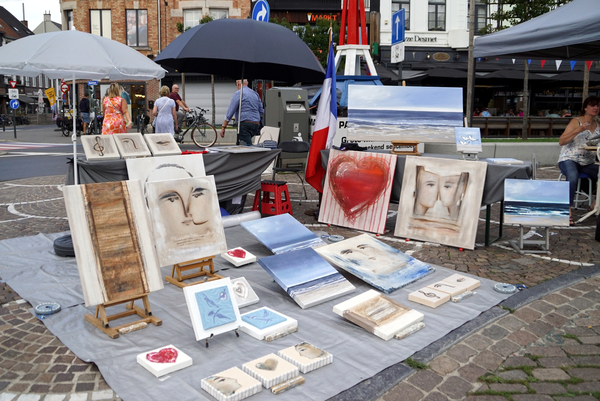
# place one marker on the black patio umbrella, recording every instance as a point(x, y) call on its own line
point(243, 48)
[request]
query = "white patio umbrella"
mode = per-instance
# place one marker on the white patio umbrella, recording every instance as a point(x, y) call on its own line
point(76, 55)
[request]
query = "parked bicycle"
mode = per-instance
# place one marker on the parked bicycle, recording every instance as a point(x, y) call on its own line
point(202, 133)
point(65, 123)
point(95, 129)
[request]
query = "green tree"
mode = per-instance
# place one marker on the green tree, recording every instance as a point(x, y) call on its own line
point(315, 36)
point(513, 12)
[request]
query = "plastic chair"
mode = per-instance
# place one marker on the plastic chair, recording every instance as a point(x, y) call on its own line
point(578, 192)
point(292, 147)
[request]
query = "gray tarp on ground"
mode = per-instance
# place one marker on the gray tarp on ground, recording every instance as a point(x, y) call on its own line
point(29, 267)
point(571, 32)
point(236, 174)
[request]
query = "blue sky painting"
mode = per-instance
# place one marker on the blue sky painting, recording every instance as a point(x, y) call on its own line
point(536, 203)
point(376, 263)
point(282, 233)
point(408, 113)
point(468, 140)
point(263, 318)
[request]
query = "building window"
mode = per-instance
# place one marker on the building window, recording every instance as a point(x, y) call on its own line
point(191, 18)
point(69, 18)
point(480, 16)
point(437, 15)
point(100, 23)
point(405, 4)
point(137, 28)
point(218, 13)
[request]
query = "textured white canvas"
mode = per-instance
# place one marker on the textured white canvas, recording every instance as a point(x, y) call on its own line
point(243, 292)
point(231, 385)
point(164, 360)
point(99, 147)
point(131, 145)
point(162, 144)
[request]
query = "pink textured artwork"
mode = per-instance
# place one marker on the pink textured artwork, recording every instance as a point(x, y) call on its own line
point(237, 253)
point(165, 355)
point(357, 190)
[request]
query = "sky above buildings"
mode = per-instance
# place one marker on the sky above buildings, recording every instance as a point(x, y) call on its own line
point(34, 10)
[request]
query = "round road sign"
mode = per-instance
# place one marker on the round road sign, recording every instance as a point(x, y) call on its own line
point(64, 88)
point(14, 104)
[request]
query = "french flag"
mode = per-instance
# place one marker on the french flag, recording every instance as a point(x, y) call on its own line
point(325, 126)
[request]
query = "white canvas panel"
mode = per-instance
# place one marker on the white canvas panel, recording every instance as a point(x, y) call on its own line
point(164, 360)
point(440, 200)
point(131, 145)
point(213, 308)
point(306, 356)
point(266, 324)
point(468, 140)
point(186, 218)
point(162, 144)
point(231, 385)
point(357, 190)
point(271, 370)
point(244, 294)
point(99, 147)
point(238, 257)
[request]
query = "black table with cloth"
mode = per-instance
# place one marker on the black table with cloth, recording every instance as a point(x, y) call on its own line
point(493, 189)
point(236, 174)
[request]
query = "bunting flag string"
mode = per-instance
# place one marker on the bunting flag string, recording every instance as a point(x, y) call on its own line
point(529, 62)
point(573, 64)
point(589, 64)
point(543, 62)
point(558, 63)
point(514, 59)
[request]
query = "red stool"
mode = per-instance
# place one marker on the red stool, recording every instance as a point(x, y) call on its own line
point(275, 198)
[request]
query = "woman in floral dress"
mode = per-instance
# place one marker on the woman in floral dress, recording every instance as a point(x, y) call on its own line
point(116, 115)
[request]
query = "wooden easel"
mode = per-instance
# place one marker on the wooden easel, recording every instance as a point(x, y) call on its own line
point(101, 319)
point(210, 275)
point(399, 148)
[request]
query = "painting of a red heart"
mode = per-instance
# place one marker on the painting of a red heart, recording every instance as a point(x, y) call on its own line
point(165, 355)
point(357, 190)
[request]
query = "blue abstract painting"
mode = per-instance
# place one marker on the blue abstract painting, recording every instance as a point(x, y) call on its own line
point(263, 318)
point(215, 307)
point(376, 263)
point(306, 277)
point(407, 113)
point(282, 233)
point(468, 139)
point(536, 203)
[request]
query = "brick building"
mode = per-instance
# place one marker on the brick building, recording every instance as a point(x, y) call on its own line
point(147, 26)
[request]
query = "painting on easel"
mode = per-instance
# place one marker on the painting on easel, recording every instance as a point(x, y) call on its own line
point(357, 190)
point(111, 236)
point(213, 308)
point(404, 113)
point(187, 219)
point(440, 200)
point(536, 203)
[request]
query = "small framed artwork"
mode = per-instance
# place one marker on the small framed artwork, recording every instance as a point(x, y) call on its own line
point(164, 360)
point(162, 144)
point(131, 145)
point(244, 294)
point(266, 324)
point(238, 257)
point(271, 370)
point(468, 140)
point(306, 356)
point(213, 308)
point(536, 203)
point(378, 314)
point(458, 280)
point(100, 147)
point(428, 296)
point(231, 385)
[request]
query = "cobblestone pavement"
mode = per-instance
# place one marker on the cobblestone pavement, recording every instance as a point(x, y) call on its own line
point(34, 365)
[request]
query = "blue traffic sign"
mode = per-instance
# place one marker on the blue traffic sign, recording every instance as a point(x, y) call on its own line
point(261, 11)
point(398, 26)
point(92, 83)
point(14, 104)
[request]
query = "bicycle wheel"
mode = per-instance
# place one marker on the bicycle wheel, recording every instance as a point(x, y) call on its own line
point(66, 128)
point(204, 135)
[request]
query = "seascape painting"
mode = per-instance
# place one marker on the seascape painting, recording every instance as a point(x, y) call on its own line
point(468, 140)
point(440, 200)
point(376, 263)
point(536, 203)
point(186, 218)
point(213, 308)
point(306, 277)
point(357, 190)
point(404, 113)
point(162, 144)
point(378, 314)
point(131, 145)
point(99, 147)
point(282, 233)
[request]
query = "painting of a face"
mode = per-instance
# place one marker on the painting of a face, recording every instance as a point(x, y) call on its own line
point(225, 385)
point(187, 219)
point(372, 260)
point(440, 200)
point(309, 351)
